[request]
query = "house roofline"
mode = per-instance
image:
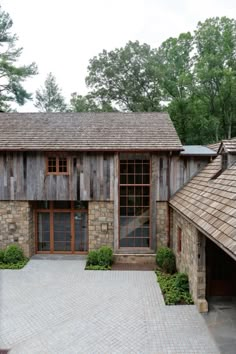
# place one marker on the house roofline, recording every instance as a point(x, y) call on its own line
point(232, 255)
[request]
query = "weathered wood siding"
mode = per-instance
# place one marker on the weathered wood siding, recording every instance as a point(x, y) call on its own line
point(23, 177)
point(169, 173)
point(92, 176)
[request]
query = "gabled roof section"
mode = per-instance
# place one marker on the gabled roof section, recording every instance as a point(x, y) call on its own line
point(197, 150)
point(227, 146)
point(214, 146)
point(88, 131)
point(210, 204)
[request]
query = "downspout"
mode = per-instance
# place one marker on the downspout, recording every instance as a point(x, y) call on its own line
point(168, 196)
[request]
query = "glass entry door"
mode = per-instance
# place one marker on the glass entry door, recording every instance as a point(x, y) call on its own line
point(60, 228)
point(62, 232)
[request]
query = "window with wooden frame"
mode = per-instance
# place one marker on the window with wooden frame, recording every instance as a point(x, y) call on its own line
point(179, 243)
point(57, 165)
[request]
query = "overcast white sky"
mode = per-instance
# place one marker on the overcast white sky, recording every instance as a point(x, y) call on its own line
point(61, 36)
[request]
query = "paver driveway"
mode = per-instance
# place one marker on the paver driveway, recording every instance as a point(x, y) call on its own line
point(54, 306)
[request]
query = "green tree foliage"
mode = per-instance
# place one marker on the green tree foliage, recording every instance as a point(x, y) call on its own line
point(126, 78)
point(192, 76)
point(11, 75)
point(175, 62)
point(49, 97)
point(87, 103)
point(215, 72)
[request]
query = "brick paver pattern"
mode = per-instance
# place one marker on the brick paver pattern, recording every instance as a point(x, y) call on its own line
point(54, 306)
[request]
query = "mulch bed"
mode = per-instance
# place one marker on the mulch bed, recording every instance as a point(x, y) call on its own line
point(133, 266)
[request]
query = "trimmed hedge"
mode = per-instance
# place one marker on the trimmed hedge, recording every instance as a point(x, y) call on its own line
point(100, 259)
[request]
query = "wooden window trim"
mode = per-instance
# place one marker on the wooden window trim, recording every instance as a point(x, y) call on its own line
point(57, 173)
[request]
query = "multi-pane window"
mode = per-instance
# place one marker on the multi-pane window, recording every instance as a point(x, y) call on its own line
point(134, 201)
point(57, 165)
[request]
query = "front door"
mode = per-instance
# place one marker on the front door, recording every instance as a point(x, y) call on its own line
point(62, 232)
point(61, 227)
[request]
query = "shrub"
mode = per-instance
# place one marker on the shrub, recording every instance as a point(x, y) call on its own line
point(13, 254)
point(100, 259)
point(2, 255)
point(92, 258)
point(181, 282)
point(173, 288)
point(165, 259)
point(105, 256)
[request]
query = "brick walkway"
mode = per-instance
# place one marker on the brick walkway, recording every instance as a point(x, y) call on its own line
point(54, 306)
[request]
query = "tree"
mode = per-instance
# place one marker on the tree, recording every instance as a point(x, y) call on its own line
point(215, 72)
point(11, 75)
point(87, 103)
point(175, 62)
point(126, 78)
point(49, 97)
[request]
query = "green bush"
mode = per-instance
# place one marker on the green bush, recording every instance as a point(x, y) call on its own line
point(92, 258)
point(100, 259)
point(13, 254)
point(165, 259)
point(174, 288)
point(2, 252)
point(105, 256)
point(17, 265)
point(181, 282)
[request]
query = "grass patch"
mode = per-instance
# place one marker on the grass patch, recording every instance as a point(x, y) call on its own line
point(175, 288)
point(17, 265)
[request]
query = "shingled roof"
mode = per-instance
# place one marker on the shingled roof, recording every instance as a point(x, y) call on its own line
point(228, 146)
point(88, 131)
point(210, 204)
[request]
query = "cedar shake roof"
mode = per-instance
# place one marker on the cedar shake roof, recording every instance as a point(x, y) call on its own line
point(88, 131)
point(210, 204)
point(228, 146)
point(214, 147)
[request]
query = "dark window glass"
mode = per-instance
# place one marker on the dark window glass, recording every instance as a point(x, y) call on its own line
point(134, 203)
point(62, 204)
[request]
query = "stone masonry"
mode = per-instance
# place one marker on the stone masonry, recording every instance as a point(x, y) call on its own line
point(100, 224)
point(162, 224)
point(191, 259)
point(16, 225)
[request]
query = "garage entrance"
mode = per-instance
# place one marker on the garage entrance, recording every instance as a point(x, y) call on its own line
point(61, 227)
point(220, 271)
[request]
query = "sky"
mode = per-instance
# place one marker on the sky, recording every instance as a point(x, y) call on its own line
point(61, 36)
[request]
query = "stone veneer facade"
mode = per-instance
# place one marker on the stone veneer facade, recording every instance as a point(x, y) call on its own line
point(100, 224)
point(191, 259)
point(16, 225)
point(162, 224)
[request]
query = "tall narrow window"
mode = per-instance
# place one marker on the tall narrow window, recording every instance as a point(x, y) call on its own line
point(179, 245)
point(57, 165)
point(134, 201)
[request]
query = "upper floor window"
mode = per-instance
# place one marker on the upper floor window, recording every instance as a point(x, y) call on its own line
point(57, 165)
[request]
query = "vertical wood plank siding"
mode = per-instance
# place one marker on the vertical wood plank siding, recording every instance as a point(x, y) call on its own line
point(92, 176)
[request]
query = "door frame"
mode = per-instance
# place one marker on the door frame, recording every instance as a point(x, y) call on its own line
point(51, 211)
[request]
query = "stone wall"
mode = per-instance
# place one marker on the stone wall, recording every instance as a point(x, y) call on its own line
point(101, 224)
point(16, 225)
point(162, 224)
point(191, 259)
